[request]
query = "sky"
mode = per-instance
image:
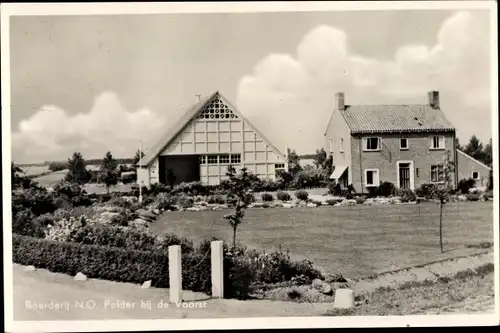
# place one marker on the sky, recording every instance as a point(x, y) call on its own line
point(103, 83)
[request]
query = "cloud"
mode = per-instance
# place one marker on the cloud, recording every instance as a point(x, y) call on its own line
point(52, 133)
point(297, 91)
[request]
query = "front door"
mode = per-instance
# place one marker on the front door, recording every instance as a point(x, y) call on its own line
point(404, 175)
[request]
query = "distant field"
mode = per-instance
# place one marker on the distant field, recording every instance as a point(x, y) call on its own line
point(51, 179)
point(34, 170)
point(357, 241)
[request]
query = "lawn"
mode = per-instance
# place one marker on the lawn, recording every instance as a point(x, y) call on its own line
point(357, 242)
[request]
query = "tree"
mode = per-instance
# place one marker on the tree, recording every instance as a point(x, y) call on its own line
point(77, 170)
point(475, 148)
point(442, 191)
point(488, 154)
point(108, 173)
point(137, 157)
point(490, 180)
point(320, 158)
point(16, 175)
point(239, 197)
point(293, 162)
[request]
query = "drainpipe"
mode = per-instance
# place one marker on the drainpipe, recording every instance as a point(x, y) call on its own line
point(360, 164)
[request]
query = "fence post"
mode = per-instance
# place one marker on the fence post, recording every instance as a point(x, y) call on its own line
point(217, 257)
point(175, 273)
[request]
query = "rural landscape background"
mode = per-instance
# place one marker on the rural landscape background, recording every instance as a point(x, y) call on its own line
point(83, 229)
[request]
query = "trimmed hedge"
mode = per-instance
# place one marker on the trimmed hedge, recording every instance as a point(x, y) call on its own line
point(126, 265)
point(115, 264)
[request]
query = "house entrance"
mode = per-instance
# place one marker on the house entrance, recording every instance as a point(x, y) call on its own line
point(404, 175)
point(176, 169)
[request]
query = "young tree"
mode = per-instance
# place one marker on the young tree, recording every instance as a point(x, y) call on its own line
point(442, 191)
point(108, 173)
point(458, 145)
point(77, 171)
point(239, 197)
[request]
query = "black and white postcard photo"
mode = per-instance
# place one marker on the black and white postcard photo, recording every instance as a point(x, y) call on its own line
point(249, 165)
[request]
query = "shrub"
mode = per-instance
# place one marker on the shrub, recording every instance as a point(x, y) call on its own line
point(63, 202)
point(464, 185)
point(58, 166)
point(157, 188)
point(216, 199)
point(123, 218)
point(38, 200)
point(118, 201)
point(128, 265)
point(266, 197)
point(360, 200)
point(473, 197)
point(386, 189)
point(488, 195)
point(185, 202)
point(301, 195)
point(372, 191)
point(81, 201)
point(334, 189)
point(332, 202)
point(164, 201)
point(24, 223)
point(68, 189)
point(406, 195)
point(115, 264)
point(190, 189)
point(426, 191)
point(283, 196)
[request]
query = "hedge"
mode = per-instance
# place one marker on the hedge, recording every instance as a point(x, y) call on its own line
point(127, 265)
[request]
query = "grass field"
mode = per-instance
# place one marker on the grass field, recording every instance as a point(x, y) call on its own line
point(357, 242)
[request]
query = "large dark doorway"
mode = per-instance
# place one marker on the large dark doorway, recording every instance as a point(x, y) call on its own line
point(176, 169)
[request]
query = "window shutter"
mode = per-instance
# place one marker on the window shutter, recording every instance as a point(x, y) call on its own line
point(430, 142)
point(365, 143)
point(379, 143)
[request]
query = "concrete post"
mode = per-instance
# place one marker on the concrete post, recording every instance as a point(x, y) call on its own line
point(217, 269)
point(175, 273)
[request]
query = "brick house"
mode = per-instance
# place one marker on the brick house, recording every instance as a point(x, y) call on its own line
point(402, 144)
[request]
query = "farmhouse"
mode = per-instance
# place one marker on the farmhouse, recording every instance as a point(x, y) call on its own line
point(210, 136)
point(403, 144)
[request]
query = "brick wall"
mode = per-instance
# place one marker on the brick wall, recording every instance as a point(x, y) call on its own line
point(386, 160)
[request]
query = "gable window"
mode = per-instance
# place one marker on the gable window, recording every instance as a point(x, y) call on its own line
point(403, 144)
point(371, 144)
point(475, 175)
point(224, 159)
point(330, 142)
point(437, 173)
point(203, 159)
point(341, 145)
point(371, 177)
point(236, 158)
point(436, 142)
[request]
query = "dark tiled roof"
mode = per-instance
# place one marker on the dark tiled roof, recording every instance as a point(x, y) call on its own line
point(395, 118)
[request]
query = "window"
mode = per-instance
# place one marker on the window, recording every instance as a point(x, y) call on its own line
point(212, 159)
point(330, 141)
point(371, 177)
point(235, 158)
point(203, 159)
point(341, 144)
point(403, 143)
point(437, 142)
point(437, 173)
point(278, 167)
point(475, 175)
point(223, 159)
point(372, 144)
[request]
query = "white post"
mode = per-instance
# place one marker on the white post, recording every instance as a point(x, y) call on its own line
point(217, 269)
point(175, 273)
point(140, 167)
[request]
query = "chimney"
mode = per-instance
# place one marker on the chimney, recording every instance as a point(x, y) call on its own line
point(198, 97)
point(433, 97)
point(339, 101)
